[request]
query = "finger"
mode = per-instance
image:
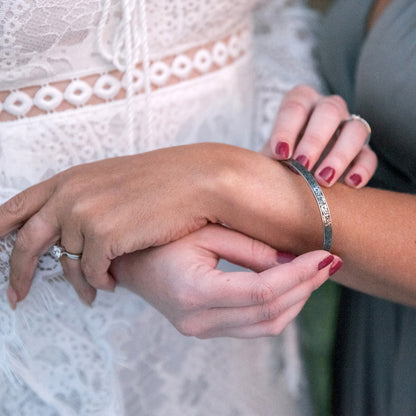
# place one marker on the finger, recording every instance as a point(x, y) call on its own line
point(18, 209)
point(95, 264)
point(363, 168)
point(322, 125)
point(246, 289)
point(221, 318)
point(74, 275)
point(240, 249)
point(348, 145)
point(32, 240)
point(261, 329)
point(291, 118)
point(73, 242)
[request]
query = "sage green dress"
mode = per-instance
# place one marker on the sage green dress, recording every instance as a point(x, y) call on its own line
point(375, 353)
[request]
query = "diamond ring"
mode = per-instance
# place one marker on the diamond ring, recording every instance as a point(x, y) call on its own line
point(59, 251)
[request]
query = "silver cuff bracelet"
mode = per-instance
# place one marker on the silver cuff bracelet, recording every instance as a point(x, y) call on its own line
point(319, 197)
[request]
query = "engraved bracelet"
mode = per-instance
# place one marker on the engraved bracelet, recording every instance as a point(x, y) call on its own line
point(319, 197)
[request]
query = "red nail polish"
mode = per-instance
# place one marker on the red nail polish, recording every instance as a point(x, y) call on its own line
point(303, 160)
point(325, 262)
point(283, 258)
point(335, 267)
point(356, 179)
point(282, 150)
point(327, 174)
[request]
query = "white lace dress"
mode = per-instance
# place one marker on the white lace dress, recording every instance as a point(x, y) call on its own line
point(82, 80)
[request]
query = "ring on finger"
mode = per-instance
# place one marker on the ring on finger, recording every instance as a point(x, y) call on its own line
point(58, 251)
point(363, 121)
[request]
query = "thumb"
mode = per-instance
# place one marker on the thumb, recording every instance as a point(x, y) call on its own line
point(240, 249)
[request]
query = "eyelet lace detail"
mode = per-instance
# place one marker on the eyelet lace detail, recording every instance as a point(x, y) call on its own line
point(112, 85)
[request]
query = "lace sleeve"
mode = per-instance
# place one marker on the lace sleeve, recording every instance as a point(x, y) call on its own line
point(284, 44)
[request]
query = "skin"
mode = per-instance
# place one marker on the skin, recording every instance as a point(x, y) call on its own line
point(372, 228)
point(192, 187)
point(182, 282)
point(102, 210)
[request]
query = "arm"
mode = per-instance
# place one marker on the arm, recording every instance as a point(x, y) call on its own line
point(249, 192)
point(374, 230)
point(150, 199)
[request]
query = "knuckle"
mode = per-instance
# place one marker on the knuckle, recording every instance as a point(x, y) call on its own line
point(258, 250)
point(302, 89)
point(334, 106)
point(81, 209)
point(39, 226)
point(271, 311)
point(98, 228)
point(296, 107)
point(23, 242)
point(316, 141)
point(262, 292)
point(340, 159)
point(338, 102)
point(15, 205)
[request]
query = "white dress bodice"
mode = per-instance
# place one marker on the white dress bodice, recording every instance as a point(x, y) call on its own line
point(63, 102)
point(44, 41)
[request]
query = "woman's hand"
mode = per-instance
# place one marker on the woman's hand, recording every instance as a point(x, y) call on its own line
point(309, 125)
point(106, 209)
point(180, 280)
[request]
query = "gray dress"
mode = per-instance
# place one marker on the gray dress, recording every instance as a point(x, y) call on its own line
point(375, 353)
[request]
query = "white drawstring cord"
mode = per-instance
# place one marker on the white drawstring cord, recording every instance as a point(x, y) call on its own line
point(146, 72)
point(125, 52)
point(127, 18)
point(100, 31)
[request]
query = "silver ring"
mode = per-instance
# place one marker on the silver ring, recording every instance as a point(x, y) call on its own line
point(58, 251)
point(362, 120)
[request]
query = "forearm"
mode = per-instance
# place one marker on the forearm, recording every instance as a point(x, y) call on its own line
point(375, 233)
point(372, 228)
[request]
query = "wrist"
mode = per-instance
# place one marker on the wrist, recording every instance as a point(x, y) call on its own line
point(264, 199)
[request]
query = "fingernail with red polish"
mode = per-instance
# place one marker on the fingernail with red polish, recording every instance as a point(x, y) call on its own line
point(303, 160)
point(325, 262)
point(283, 258)
point(12, 297)
point(335, 267)
point(282, 150)
point(327, 174)
point(356, 179)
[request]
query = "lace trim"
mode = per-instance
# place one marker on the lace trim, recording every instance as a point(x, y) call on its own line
point(112, 85)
